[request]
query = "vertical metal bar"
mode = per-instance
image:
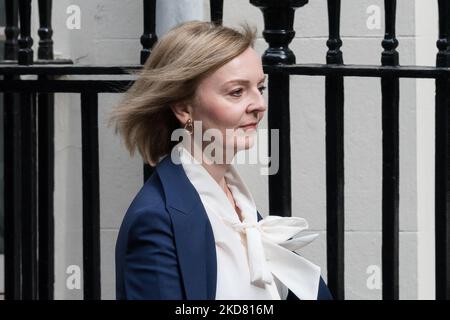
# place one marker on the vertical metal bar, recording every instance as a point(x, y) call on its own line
point(442, 158)
point(11, 30)
point(45, 194)
point(334, 119)
point(46, 161)
point(279, 119)
point(28, 189)
point(91, 196)
point(45, 31)
point(12, 195)
point(25, 55)
point(12, 159)
point(216, 11)
point(390, 127)
point(149, 37)
point(278, 33)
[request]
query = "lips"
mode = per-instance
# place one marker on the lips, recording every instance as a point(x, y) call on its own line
point(249, 126)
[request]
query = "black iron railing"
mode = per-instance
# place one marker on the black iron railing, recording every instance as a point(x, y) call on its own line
point(279, 63)
point(28, 116)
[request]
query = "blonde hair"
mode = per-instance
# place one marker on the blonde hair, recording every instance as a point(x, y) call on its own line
point(178, 62)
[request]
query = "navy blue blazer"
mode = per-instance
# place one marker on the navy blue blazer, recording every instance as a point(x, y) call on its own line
point(165, 248)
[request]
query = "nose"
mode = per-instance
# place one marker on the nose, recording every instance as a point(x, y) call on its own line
point(258, 103)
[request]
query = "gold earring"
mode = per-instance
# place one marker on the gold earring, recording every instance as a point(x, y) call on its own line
point(188, 126)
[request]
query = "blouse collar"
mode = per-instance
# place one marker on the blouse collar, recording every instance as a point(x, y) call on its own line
point(271, 242)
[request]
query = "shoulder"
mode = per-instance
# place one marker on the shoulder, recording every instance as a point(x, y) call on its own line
point(150, 195)
point(146, 209)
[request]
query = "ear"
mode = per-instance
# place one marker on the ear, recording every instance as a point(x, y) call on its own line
point(183, 111)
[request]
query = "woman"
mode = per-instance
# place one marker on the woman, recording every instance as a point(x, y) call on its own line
point(193, 231)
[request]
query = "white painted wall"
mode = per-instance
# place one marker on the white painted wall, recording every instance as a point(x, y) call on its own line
point(110, 31)
point(426, 32)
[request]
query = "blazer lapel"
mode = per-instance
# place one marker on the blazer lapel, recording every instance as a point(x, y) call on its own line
point(194, 239)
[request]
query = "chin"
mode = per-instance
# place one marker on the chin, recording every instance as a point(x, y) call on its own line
point(245, 143)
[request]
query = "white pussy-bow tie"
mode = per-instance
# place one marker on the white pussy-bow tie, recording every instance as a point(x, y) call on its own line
point(270, 244)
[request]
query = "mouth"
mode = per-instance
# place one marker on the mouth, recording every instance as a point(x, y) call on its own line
point(250, 126)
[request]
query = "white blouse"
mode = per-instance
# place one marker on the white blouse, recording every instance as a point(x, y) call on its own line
point(255, 260)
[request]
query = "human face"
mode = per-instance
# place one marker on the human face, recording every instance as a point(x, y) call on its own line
point(232, 97)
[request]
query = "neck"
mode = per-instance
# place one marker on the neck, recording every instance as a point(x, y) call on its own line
point(216, 170)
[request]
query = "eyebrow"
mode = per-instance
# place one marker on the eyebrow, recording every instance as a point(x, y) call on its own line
point(244, 80)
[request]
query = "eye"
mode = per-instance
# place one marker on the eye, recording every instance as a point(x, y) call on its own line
point(262, 88)
point(236, 93)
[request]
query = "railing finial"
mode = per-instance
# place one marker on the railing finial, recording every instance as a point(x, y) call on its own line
point(334, 42)
point(45, 50)
point(443, 56)
point(149, 37)
point(389, 56)
point(11, 30)
point(25, 55)
point(278, 29)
